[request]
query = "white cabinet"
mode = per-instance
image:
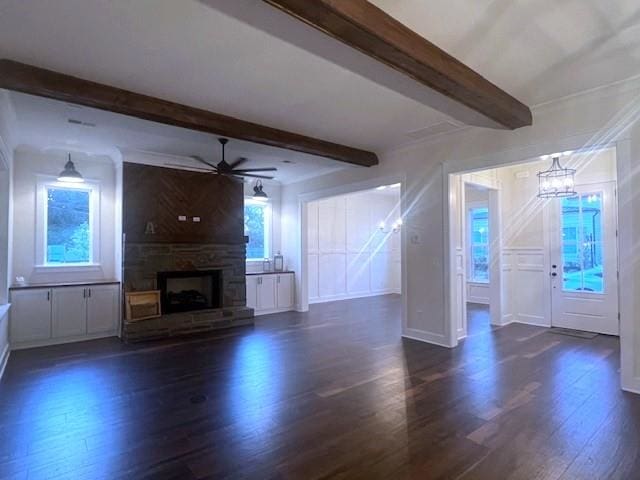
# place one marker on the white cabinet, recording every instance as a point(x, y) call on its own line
point(69, 317)
point(284, 289)
point(102, 308)
point(30, 315)
point(43, 316)
point(252, 291)
point(270, 293)
point(267, 292)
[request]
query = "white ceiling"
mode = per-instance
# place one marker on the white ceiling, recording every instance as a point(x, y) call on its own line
point(44, 124)
point(235, 58)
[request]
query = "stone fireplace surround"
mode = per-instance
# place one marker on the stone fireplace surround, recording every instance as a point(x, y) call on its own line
point(178, 221)
point(142, 263)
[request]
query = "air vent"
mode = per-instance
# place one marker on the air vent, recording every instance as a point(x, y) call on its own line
point(435, 129)
point(81, 123)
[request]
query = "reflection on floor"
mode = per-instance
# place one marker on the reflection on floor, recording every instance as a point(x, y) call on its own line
point(478, 319)
point(334, 393)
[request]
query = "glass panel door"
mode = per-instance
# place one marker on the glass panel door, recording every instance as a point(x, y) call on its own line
point(582, 248)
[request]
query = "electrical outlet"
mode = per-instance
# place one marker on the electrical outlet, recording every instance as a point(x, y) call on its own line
point(196, 219)
point(182, 218)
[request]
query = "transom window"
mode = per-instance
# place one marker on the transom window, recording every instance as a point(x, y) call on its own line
point(257, 223)
point(479, 227)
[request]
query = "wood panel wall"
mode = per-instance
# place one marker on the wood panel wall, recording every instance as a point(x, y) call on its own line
point(160, 195)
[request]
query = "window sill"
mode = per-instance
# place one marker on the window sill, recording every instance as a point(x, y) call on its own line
point(89, 267)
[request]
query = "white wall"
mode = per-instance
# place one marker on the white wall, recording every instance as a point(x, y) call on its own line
point(348, 256)
point(7, 117)
point(602, 116)
point(29, 164)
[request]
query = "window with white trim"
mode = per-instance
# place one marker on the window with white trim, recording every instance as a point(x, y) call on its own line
point(479, 226)
point(257, 226)
point(67, 224)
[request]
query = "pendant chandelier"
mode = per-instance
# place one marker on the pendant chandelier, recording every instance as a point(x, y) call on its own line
point(556, 182)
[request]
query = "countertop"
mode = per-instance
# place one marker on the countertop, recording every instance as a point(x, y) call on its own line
point(270, 273)
point(63, 284)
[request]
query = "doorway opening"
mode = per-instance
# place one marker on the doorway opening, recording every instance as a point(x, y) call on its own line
point(354, 244)
point(524, 259)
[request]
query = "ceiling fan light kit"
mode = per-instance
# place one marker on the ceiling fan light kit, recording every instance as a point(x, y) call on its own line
point(231, 169)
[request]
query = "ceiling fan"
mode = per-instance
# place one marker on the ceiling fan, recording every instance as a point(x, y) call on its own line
point(230, 169)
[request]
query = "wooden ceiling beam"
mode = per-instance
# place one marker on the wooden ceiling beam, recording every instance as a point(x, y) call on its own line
point(365, 27)
point(24, 78)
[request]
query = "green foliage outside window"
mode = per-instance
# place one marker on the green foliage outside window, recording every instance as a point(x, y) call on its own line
point(68, 236)
point(254, 227)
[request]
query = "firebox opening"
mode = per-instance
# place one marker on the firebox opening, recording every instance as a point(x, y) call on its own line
point(188, 291)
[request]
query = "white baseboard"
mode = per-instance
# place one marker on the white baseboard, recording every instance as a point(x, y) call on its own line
point(633, 386)
point(257, 313)
point(427, 337)
point(59, 341)
point(532, 320)
point(633, 389)
point(337, 298)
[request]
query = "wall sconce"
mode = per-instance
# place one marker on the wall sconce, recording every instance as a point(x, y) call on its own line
point(395, 228)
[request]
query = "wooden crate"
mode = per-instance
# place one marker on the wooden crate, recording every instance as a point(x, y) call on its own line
point(142, 305)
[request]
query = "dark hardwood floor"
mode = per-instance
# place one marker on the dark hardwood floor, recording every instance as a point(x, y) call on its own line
point(335, 393)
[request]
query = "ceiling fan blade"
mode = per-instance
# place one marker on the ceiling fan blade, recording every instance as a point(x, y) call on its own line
point(249, 170)
point(238, 162)
point(189, 167)
point(252, 175)
point(202, 160)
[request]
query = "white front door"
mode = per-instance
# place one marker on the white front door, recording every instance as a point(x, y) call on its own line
point(584, 259)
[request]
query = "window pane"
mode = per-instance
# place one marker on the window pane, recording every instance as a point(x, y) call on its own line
point(254, 227)
point(480, 264)
point(582, 243)
point(68, 237)
point(480, 244)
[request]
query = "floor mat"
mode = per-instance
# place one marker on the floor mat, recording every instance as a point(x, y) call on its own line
point(572, 333)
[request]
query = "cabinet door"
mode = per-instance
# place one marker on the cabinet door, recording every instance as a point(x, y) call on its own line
point(30, 315)
point(103, 308)
point(285, 290)
point(69, 316)
point(267, 292)
point(252, 291)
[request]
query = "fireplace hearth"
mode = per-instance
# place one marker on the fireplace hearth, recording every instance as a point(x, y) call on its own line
point(187, 291)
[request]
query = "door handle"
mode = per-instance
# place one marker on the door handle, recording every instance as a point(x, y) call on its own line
point(554, 274)
point(89, 292)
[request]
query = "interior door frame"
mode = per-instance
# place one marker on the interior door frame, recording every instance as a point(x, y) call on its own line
point(461, 263)
point(302, 280)
point(625, 171)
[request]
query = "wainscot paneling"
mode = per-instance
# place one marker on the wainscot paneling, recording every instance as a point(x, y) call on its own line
point(526, 285)
point(348, 256)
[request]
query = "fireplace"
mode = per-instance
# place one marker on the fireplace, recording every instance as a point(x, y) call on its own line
point(187, 291)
